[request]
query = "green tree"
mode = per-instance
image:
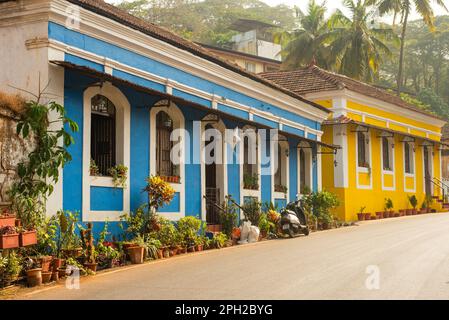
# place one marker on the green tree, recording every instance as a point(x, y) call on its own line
point(404, 8)
point(308, 43)
point(357, 47)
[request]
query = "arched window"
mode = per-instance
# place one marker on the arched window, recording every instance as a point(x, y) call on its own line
point(250, 161)
point(103, 136)
point(302, 171)
point(164, 129)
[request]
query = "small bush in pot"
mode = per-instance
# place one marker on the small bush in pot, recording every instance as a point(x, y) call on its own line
point(414, 203)
point(361, 214)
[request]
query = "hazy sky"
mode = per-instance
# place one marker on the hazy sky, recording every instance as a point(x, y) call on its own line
point(333, 4)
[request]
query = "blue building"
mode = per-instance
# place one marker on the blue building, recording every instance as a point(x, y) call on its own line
point(129, 85)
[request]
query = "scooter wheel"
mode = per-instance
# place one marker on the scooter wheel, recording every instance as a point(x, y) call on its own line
point(306, 232)
point(291, 233)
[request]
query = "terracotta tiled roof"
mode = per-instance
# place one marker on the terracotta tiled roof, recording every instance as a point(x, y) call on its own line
point(102, 8)
point(314, 79)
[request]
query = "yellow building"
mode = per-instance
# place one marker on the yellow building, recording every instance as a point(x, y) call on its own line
point(389, 148)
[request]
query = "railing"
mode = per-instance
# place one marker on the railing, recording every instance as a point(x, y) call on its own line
point(437, 183)
point(213, 209)
point(444, 187)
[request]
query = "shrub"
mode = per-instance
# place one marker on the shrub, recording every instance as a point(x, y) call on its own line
point(228, 218)
point(188, 229)
point(413, 201)
point(252, 211)
point(320, 204)
point(159, 192)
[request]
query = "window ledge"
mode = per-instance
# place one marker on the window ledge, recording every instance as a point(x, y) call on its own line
point(99, 181)
point(362, 170)
point(409, 175)
point(388, 172)
point(280, 195)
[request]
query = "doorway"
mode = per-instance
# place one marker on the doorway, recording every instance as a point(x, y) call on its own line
point(427, 171)
point(213, 169)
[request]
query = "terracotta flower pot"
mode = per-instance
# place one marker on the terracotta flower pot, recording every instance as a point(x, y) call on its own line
point(9, 241)
point(397, 215)
point(160, 253)
point(136, 254)
point(6, 221)
point(91, 266)
point(191, 249)
point(62, 273)
point(423, 211)
point(385, 214)
point(367, 216)
point(28, 238)
point(199, 247)
point(360, 216)
point(55, 276)
point(57, 263)
point(34, 277)
point(45, 263)
point(379, 215)
point(46, 277)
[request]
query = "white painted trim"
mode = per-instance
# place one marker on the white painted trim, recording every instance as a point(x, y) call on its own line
point(113, 32)
point(244, 192)
point(341, 171)
point(220, 126)
point(363, 169)
point(309, 165)
point(123, 140)
point(171, 84)
point(430, 168)
point(179, 123)
point(375, 103)
point(388, 172)
point(284, 146)
point(410, 175)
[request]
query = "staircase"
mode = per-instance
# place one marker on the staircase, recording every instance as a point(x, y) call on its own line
point(440, 201)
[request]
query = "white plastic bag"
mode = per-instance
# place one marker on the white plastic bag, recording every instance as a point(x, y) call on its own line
point(253, 234)
point(244, 232)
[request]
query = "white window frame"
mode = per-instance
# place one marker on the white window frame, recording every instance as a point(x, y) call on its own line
point(285, 174)
point(368, 149)
point(123, 124)
point(244, 193)
point(306, 148)
point(178, 123)
point(391, 172)
point(412, 166)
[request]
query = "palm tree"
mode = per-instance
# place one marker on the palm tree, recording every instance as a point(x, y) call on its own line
point(404, 8)
point(357, 47)
point(307, 44)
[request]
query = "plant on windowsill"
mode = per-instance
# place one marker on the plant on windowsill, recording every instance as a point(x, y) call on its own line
point(280, 188)
point(93, 168)
point(119, 174)
point(251, 181)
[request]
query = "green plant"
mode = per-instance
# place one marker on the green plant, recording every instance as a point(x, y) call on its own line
point(413, 201)
point(168, 234)
point(320, 204)
point(219, 240)
point(265, 225)
point(159, 193)
point(74, 263)
point(188, 229)
point(119, 175)
point(40, 172)
point(136, 223)
point(13, 266)
point(388, 204)
point(251, 181)
point(46, 238)
point(228, 218)
point(362, 210)
point(93, 168)
point(87, 239)
point(252, 210)
point(66, 231)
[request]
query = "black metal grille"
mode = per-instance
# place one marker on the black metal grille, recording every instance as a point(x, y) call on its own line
point(212, 211)
point(102, 146)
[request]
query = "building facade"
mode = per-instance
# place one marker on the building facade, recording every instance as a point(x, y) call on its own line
point(389, 149)
point(132, 87)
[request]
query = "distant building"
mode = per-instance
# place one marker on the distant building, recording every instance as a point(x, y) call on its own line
point(252, 48)
point(246, 61)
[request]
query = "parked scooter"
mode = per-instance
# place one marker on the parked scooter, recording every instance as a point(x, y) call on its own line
point(293, 220)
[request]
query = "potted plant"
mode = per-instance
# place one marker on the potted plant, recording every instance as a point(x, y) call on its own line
point(236, 233)
point(414, 203)
point(119, 175)
point(93, 168)
point(379, 215)
point(388, 207)
point(264, 226)
point(251, 181)
point(33, 272)
point(27, 237)
point(90, 254)
point(137, 252)
point(423, 209)
point(9, 238)
point(361, 215)
point(12, 266)
point(7, 219)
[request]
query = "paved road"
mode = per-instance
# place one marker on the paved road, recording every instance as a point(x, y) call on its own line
point(411, 254)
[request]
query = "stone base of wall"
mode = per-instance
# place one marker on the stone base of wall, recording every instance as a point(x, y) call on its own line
point(13, 150)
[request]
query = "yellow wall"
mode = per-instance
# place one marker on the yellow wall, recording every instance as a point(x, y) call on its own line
point(354, 197)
